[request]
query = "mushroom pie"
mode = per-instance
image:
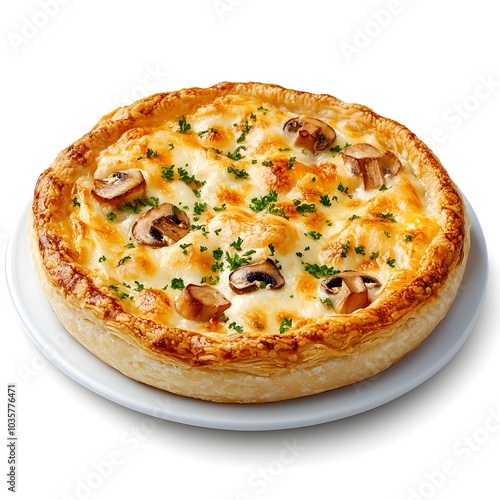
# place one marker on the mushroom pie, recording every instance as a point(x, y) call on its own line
point(248, 243)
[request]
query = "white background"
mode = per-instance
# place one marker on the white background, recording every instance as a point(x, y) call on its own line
point(432, 65)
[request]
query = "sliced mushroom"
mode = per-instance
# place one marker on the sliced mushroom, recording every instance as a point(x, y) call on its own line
point(261, 274)
point(120, 186)
point(312, 134)
point(162, 226)
point(351, 289)
point(373, 164)
point(201, 303)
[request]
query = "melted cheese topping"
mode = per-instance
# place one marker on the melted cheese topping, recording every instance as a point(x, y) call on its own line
point(250, 194)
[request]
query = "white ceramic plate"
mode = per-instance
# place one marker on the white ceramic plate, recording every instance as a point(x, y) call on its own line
point(74, 360)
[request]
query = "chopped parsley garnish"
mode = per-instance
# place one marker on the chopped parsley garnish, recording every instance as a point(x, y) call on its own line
point(75, 202)
point(211, 280)
point(133, 206)
point(190, 180)
point(237, 244)
point(129, 245)
point(354, 216)
point(184, 247)
point(345, 248)
point(123, 260)
point(177, 284)
point(259, 204)
point(102, 258)
point(217, 266)
point(235, 327)
point(236, 155)
point(152, 201)
point(291, 161)
point(121, 295)
point(218, 253)
point(184, 126)
point(325, 200)
point(314, 235)
point(337, 149)
point(320, 271)
point(274, 210)
point(199, 208)
point(360, 250)
point(408, 237)
point(391, 262)
point(267, 163)
point(327, 302)
point(387, 233)
point(139, 287)
point(238, 173)
point(374, 255)
point(200, 227)
point(304, 208)
point(203, 132)
point(111, 216)
point(151, 153)
point(168, 172)
point(244, 131)
point(285, 324)
point(184, 175)
point(236, 260)
point(388, 216)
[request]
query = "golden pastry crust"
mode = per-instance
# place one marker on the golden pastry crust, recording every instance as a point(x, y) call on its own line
point(222, 156)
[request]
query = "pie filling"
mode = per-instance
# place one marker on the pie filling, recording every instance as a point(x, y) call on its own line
point(239, 196)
